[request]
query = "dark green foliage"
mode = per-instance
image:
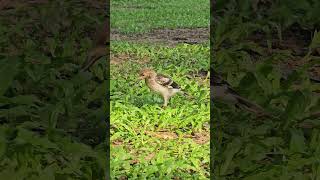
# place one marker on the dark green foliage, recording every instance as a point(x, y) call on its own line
point(52, 116)
point(250, 41)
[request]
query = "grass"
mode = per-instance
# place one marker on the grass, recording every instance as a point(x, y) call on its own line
point(140, 16)
point(149, 142)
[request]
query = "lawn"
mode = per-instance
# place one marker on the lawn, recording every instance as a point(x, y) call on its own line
point(141, 16)
point(147, 141)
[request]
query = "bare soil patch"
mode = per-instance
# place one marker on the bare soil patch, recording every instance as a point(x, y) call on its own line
point(169, 37)
point(294, 38)
point(197, 137)
point(117, 59)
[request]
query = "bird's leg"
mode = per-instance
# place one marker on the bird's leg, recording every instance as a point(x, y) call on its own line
point(165, 101)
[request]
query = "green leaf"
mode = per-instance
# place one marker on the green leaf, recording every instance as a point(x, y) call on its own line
point(3, 145)
point(68, 48)
point(315, 43)
point(8, 70)
point(55, 111)
point(52, 44)
point(297, 141)
point(264, 83)
point(25, 99)
point(296, 105)
point(48, 173)
point(229, 153)
point(100, 92)
point(315, 140)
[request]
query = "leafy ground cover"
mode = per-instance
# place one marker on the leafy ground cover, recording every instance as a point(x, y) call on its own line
point(269, 52)
point(148, 142)
point(51, 115)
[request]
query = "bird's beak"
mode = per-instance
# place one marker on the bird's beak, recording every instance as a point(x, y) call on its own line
point(141, 77)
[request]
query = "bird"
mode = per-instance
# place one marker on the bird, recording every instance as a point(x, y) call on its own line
point(221, 90)
point(160, 84)
point(101, 45)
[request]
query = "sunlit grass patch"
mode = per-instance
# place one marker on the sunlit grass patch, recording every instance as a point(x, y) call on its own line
point(147, 140)
point(141, 16)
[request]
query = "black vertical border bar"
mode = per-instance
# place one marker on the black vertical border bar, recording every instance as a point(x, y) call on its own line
point(212, 5)
point(107, 26)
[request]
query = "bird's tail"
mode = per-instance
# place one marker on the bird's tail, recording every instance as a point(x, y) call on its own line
point(185, 94)
point(252, 107)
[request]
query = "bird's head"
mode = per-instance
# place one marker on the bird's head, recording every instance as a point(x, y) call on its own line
point(147, 73)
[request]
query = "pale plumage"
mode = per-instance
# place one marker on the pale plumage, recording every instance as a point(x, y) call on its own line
point(161, 84)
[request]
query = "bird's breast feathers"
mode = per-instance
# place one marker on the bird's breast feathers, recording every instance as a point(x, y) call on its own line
point(167, 91)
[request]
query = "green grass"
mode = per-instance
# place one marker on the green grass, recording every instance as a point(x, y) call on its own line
point(141, 16)
point(137, 117)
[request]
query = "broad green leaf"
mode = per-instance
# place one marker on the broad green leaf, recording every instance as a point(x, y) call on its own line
point(3, 145)
point(315, 43)
point(8, 70)
point(297, 141)
point(24, 99)
point(296, 105)
point(231, 150)
point(56, 110)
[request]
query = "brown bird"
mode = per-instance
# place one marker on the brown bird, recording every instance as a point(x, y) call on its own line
point(222, 91)
point(160, 84)
point(101, 43)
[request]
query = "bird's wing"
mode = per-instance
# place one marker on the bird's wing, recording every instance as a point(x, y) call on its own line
point(217, 81)
point(223, 91)
point(166, 81)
